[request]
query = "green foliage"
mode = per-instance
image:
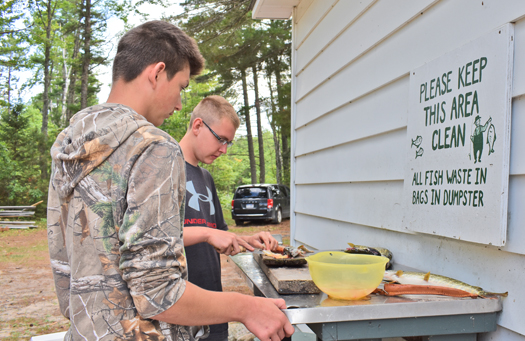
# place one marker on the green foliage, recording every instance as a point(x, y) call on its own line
point(177, 124)
point(40, 34)
point(20, 182)
point(12, 50)
point(233, 169)
point(56, 33)
point(233, 44)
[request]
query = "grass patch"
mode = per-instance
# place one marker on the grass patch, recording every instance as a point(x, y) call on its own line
point(23, 328)
point(256, 228)
point(228, 217)
point(33, 248)
point(27, 233)
point(249, 229)
point(253, 229)
point(42, 223)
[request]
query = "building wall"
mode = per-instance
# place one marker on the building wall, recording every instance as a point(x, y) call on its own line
point(351, 64)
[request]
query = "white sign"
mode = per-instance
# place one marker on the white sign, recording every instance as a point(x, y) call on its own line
point(458, 148)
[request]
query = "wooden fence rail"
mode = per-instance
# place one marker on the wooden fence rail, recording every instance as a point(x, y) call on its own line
point(17, 212)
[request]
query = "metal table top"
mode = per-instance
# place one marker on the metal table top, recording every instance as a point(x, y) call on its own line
point(319, 308)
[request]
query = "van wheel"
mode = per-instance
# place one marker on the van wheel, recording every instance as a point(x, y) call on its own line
point(278, 217)
point(239, 222)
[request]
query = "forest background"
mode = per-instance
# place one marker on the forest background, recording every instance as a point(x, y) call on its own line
point(61, 44)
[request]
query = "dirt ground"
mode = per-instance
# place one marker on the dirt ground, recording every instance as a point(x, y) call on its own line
point(28, 304)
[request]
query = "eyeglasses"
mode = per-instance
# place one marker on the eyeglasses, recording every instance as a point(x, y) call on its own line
point(220, 139)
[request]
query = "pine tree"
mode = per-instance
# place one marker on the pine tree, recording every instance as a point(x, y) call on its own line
point(19, 178)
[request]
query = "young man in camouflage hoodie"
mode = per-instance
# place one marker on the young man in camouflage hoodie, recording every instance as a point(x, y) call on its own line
point(116, 209)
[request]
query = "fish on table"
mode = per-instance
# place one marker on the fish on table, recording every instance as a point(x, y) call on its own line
point(428, 279)
point(287, 252)
point(367, 250)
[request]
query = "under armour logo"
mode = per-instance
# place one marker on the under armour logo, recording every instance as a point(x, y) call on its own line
point(195, 197)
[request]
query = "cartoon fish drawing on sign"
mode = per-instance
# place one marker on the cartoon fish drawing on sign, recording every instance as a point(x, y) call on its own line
point(491, 138)
point(417, 141)
point(419, 152)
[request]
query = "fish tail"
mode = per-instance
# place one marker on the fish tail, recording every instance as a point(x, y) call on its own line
point(486, 293)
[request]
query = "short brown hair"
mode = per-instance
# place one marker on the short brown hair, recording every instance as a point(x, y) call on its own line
point(153, 42)
point(212, 109)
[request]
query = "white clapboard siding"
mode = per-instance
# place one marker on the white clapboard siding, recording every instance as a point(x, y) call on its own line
point(349, 116)
point(382, 111)
point(336, 22)
point(324, 58)
point(367, 203)
point(517, 137)
point(407, 49)
point(464, 261)
point(515, 228)
point(373, 115)
point(309, 19)
point(377, 158)
point(300, 10)
point(518, 80)
point(375, 204)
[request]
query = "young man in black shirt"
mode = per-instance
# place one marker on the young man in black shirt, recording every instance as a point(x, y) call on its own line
point(212, 128)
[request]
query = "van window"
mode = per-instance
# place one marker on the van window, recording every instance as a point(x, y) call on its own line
point(251, 192)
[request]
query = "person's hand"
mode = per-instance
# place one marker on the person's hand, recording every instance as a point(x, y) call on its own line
point(266, 320)
point(262, 240)
point(226, 242)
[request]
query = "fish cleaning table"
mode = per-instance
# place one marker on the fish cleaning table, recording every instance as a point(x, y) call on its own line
point(433, 317)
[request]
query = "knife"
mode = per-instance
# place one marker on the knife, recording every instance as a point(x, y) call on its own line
point(255, 251)
point(279, 249)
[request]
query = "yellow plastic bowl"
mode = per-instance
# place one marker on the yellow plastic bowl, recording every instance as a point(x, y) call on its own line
point(346, 276)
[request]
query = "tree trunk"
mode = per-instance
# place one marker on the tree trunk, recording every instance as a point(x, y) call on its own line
point(65, 80)
point(72, 78)
point(45, 95)
point(47, 76)
point(260, 135)
point(86, 60)
point(278, 158)
point(253, 170)
point(286, 159)
point(284, 138)
point(9, 88)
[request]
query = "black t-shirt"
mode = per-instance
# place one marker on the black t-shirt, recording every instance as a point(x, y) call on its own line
point(203, 208)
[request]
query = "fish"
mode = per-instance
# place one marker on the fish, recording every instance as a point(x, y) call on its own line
point(421, 278)
point(419, 152)
point(367, 250)
point(491, 138)
point(417, 142)
point(274, 255)
point(287, 252)
point(296, 252)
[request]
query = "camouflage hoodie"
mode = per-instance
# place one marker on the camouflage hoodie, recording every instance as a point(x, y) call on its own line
point(115, 217)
